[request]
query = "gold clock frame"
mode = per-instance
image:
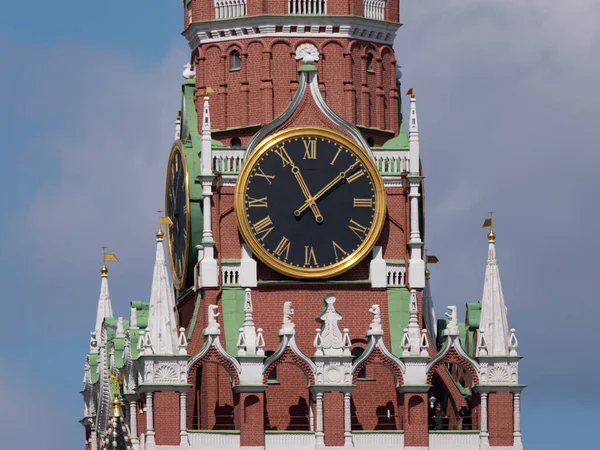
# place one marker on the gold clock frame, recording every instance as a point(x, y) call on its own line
point(178, 281)
point(306, 272)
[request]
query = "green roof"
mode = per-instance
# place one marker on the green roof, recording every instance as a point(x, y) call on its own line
point(399, 142)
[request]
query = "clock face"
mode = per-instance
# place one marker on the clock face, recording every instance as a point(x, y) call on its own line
point(177, 209)
point(310, 203)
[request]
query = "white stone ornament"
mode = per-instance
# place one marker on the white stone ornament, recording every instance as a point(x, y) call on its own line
point(188, 72)
point(308, 53)
point(452, 326)
point(375, 326)
point(213, 326)
point(331, 335)
point(287, 326)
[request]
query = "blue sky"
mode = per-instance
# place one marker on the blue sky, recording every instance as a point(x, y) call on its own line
point(508, 107)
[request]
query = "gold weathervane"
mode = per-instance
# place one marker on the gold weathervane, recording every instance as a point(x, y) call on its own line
point(487, 223)
point(106, 257)
point(430, 259)
point(162, 220)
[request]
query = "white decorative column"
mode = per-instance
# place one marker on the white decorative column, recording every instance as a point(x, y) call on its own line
point(133, 419)
point(378, 268)
point(94, 439)
point(149, 419)
point(415, 234)
point(208, 265)
point(517, 419)
point(484, 435)
point(319, 435)
point(416, 265)
point(347, 420)
point(248, 275)
point(182, 419)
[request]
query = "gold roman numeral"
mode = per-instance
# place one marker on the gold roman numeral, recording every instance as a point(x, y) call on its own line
point(310, 149)
point(260, 173)
point(335, 157)
point(283, 247)
point(283, 154)
point(309, 256)
point(336, 249)
point(357, 228)
point(355, 175)
point(363, 202)
point(257, 202)
point(264, 227)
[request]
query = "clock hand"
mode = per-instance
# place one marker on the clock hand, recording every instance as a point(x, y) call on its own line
point(296, 171)
point(313, 206)
point(311, 200)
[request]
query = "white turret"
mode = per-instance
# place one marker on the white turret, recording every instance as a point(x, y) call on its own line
point(208, 265)
point(162, 329)
point(413, 135)
point(428, 309)
point(494, 322)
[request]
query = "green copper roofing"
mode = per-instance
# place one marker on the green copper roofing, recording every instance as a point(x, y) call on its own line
point(233, 316)
point(398, 312)
point(473, 315)
point(142, 310)
point(93, 367)
point(399, 142)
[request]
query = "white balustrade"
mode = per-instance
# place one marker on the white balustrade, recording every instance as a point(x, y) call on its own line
point(392, 162)
point(230, 274)
point(227, 160)
point(396, 274)
point(213, 440)
point(374, 9)
point(459, 440)
point(289, 441)
point(380, 441)
point(307, 6)
point(229, 8)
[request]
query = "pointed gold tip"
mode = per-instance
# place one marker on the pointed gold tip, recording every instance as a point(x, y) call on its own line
point(427, 273)
point(116, 407)
point(104, 270)
point(491, 236)
point(160, 234)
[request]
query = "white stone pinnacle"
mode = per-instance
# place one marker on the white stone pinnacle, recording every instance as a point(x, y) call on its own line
point(162, 329)
point(493, 311)
point(104, 305)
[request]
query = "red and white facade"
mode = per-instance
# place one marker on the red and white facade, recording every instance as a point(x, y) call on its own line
point(252, 359)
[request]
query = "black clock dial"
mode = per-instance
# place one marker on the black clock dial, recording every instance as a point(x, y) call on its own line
point(177, 204)
point(310, 203)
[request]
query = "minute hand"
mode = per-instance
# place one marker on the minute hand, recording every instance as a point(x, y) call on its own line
point(312, 200)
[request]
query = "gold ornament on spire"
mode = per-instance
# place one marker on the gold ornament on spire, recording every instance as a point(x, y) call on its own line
point(106, 257)
point(430, 259)
point(116, 381)
point(487, 223)
point(162, 220)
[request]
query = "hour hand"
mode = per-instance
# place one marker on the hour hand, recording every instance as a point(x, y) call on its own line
point(285, 157)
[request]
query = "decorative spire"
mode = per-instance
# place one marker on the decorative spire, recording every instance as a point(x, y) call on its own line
point(247, 341)
point(428, 308)
point(331, 337)
point(162, 330)
point(414, 330)
point(493, 320)
point(104, 303)
point(413, 133)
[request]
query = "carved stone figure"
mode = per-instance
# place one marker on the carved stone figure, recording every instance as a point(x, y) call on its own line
point(375, 326)
point(288, 312)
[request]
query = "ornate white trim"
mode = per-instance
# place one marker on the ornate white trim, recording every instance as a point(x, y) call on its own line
point(236, 29)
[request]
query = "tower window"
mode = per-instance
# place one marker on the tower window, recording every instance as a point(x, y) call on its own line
point(356, 352)
point(236, 142)
point(370, 62)
point(273, 373)
point(235, 60)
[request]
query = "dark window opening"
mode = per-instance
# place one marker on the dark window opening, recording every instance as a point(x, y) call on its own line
point(235, 60)
point(370, 62)
point(370, 141)
point(236, 142)
point(273, 373)
point(356, 352)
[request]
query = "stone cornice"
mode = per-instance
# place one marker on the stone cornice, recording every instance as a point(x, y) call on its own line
point(238, 28)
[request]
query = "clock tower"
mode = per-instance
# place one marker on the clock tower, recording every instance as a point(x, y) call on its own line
point(300, 314)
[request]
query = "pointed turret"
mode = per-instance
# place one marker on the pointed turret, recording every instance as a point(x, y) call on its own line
point(104, 303)
point(162, 328)
point(494, 322)
point(413, 134)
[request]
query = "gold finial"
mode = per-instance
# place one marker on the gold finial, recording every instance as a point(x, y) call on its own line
point(116, 407)
point(488, 223)
point(162, 220)
point(427, 273)
point(105, 258)
point(411, 92)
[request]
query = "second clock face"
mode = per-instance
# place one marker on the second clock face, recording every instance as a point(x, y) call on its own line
point(310, 204)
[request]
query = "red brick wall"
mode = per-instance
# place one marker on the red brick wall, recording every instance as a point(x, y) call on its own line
point(141, 416)
point(333, 418)
point(416, 433)
point(166, 417)
point(287, 402)
point(372, 399)
point(252, 419)
point(269, 76)
point(500, 418)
